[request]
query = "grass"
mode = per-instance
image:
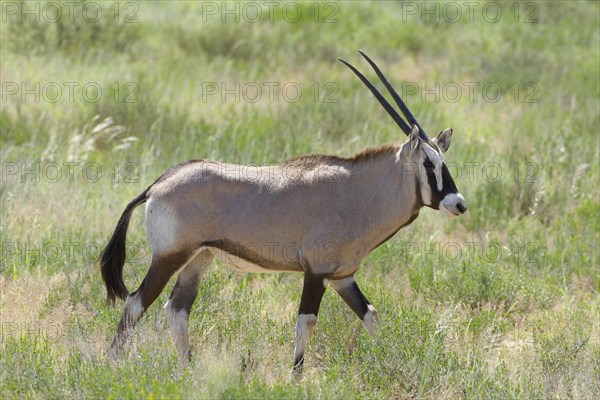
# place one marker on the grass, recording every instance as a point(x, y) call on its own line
point(500, 303)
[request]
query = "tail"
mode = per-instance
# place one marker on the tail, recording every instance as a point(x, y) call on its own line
point(113, 256)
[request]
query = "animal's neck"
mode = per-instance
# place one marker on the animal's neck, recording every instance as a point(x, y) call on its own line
point(392, 196)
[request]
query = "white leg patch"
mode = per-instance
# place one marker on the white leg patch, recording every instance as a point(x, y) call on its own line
point(178, 320)
point(133, 308)
point(132, 311)
point(304, 327)
point(178, 325)
point(371, 319)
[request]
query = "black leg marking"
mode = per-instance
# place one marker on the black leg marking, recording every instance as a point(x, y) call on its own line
point(161, 270)
point(312, 294)
point(356, 300)
point(181, 300)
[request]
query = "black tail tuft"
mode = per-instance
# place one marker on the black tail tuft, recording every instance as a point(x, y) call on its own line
point(113, 256)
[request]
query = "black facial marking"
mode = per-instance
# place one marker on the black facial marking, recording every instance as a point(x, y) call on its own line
point(448, 186)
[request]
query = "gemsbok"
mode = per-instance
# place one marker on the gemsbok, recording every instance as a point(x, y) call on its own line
point(316, 214)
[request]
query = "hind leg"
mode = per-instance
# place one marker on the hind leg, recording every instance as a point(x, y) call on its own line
point(180, 302)
point(161, 270)
point(356, 300)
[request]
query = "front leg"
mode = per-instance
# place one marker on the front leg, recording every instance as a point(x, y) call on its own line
point(349, 291)
point(312, 293)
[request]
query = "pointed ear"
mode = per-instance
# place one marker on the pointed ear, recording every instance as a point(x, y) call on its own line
point(413, 139)
point(443, 139)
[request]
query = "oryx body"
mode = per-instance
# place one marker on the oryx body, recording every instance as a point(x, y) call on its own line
point(319, 215)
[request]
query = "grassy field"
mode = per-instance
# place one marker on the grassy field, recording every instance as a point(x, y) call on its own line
point(503, 302)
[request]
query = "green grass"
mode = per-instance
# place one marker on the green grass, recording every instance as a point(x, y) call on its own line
point(501, 303)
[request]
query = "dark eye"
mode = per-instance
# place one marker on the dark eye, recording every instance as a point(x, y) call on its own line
point(428, 164)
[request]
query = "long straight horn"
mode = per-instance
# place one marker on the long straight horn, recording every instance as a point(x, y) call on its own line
point(409, 117)
point(388, 107)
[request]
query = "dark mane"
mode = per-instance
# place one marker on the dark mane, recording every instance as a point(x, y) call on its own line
point(364, 156)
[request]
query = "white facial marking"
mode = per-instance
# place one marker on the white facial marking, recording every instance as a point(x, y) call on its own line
point(438, 177)
point(304, 327)
point(371, 318)
point(437, 161)
point(450, 202)
point(426, 193)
